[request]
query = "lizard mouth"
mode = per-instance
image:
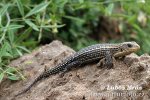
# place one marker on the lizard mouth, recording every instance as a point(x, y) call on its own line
point(127, 51)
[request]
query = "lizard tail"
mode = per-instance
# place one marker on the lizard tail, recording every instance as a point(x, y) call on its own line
point(28, 88)
point(45, 74)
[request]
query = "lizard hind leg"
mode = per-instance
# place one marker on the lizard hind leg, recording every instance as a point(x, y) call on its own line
point(107, 61)
point(101, 63)
point(69, 66)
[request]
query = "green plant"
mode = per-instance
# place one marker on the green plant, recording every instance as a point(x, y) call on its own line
point(24, 24)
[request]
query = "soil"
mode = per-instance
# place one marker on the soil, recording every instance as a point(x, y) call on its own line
point(129, 79)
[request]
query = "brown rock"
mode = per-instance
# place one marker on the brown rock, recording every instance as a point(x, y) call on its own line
point(85, 83)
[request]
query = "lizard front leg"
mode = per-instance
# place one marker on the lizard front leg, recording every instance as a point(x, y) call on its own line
point(107, 61)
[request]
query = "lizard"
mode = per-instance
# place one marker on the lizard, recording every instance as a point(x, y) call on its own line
point(103, 53)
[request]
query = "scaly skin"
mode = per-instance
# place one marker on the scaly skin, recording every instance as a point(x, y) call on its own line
point(104, 53)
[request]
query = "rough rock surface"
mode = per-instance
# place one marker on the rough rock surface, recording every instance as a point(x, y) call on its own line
point(130, 78)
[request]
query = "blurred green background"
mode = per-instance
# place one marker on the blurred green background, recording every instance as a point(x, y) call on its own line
point(26, 24)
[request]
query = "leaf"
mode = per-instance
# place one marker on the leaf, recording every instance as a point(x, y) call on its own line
point(10, 73)
point(109, 9)
point(3, 10)
point(19, 52)
point(140, 1)
point(23, 48)
point(7, 54)
point(0, 59)
point(75, 19)
point(141, 32)
point(31, 24)
point(13, 77)
point(20, 7)
point(81, 1)
point(11, 36)
point(24, 35)
point(4, 50)
point(53, 26)
point(37, 9)
point(1, 21)
point(30, 44)
point(1, 76)
point(11, 27)
point(11, 70)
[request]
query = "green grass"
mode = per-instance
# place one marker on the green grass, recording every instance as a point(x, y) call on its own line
point(25, 24)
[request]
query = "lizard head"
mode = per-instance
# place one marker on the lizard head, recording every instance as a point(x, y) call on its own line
point(126, 48)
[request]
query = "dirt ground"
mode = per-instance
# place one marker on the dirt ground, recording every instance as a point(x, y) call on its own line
point(128, 80)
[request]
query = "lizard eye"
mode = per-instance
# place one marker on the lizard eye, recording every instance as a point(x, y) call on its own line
point(129, 45)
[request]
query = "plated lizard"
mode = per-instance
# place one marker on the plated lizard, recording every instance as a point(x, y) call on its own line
point(104, 53)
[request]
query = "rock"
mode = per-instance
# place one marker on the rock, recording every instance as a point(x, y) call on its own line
point(130, 59)
point(89, 82)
